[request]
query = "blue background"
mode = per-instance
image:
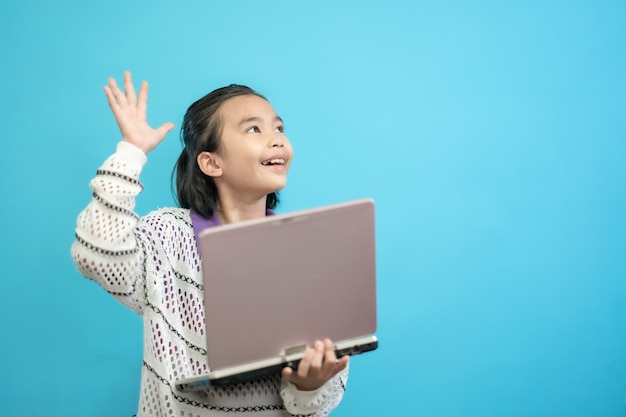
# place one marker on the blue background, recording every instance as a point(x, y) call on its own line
point(491, 134)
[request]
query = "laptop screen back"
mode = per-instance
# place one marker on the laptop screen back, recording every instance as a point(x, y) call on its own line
point(288, 280)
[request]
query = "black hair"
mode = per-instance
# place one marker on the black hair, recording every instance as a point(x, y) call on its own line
point(201, 131)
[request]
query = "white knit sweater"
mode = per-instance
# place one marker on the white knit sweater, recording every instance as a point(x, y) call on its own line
point(151, 265)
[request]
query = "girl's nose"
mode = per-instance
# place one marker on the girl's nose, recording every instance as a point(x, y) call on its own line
point(278, 143)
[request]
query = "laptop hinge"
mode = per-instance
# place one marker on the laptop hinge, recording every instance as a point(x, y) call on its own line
point(294, 353)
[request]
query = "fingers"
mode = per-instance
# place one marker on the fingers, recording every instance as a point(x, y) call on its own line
point(164, 129)
point(312, 360)
point(305, 363)
point(130, 114)
point(116, 93)
point(130, 89)
point(315, 359)
point(318, 357)
point(287, 372)
point(331, 366)
point(342, 363)
point(142, 104)
point(111, 98)
point(318, 365)
point(127, 97)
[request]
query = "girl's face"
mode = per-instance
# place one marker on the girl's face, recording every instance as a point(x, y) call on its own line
point(254, 154)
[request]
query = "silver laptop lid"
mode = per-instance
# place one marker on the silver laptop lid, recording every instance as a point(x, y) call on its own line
point(286, 280)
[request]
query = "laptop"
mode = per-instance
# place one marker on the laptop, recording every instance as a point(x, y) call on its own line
point(273, 286)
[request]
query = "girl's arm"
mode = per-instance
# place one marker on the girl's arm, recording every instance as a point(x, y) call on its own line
point(106, 248)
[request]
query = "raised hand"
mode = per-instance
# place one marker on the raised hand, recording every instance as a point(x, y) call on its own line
point(318, 365)
point(130, 114)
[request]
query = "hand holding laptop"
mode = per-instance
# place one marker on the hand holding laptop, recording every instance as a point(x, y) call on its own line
point(318, 365)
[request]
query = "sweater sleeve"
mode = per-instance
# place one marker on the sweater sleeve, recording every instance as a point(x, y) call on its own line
point(316, 403)
point(106, 249)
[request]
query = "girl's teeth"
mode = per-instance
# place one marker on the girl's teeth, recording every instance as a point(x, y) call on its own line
point(274, 161)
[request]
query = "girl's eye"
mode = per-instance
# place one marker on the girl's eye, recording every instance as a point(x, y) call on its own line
point(280, 129)
point(254, 129)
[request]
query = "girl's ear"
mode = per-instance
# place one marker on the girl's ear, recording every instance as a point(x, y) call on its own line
point(209, 164)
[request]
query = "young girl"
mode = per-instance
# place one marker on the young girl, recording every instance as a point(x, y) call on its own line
point(235, 159)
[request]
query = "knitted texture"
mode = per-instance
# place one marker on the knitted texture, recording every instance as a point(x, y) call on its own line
point(151, 265)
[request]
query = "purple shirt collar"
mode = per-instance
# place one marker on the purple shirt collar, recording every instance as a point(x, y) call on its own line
point(200, 223)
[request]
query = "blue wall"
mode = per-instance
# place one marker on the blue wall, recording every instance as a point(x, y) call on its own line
point(491, 134)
